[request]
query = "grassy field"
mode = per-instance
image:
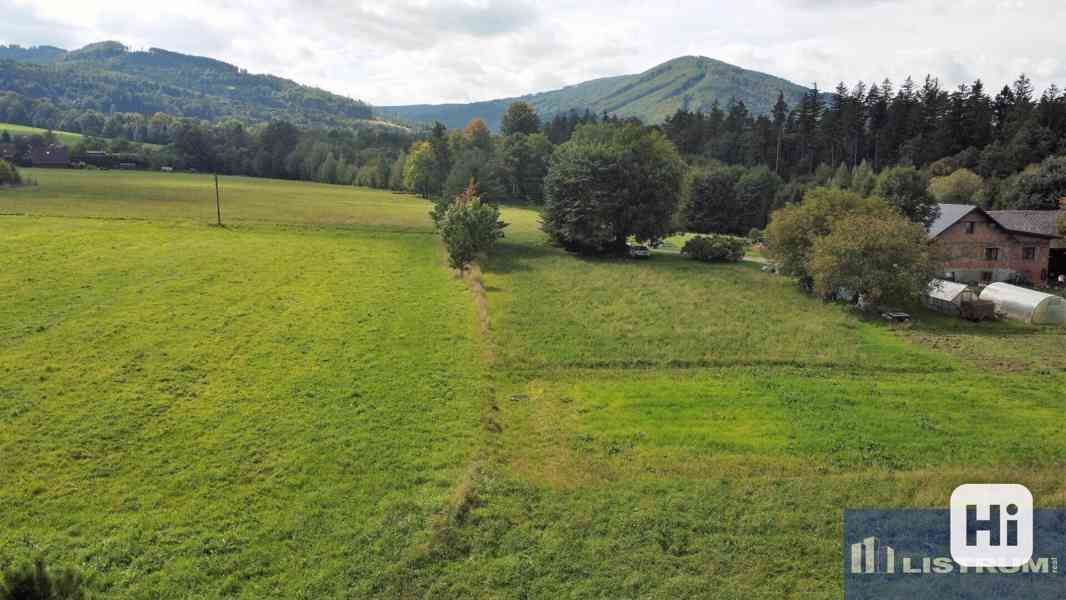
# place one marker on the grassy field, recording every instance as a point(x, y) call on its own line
point(142, 195)
point(306, 404)
point(64, 137)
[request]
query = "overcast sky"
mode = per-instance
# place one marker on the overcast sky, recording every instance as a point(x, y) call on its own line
point(408, 51)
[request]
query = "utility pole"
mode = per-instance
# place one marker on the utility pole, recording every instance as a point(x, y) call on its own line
point(218, 201)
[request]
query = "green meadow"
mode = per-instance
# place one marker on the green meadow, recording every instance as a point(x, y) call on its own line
point(308, 404)
point(66, 138)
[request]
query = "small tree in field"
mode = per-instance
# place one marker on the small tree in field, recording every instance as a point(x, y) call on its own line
point(469, 228)
point(885, 258)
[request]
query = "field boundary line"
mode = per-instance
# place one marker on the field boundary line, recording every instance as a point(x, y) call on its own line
point(697, 365)
point(234, 223)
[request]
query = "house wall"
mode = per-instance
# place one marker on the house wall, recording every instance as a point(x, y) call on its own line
point(965, 253)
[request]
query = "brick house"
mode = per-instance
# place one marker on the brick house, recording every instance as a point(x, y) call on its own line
point(1044, 222)
point(986, 247)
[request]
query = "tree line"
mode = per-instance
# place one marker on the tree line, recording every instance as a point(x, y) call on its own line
point(933, 129)
point(364, 156)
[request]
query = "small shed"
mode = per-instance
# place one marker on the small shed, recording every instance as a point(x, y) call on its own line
point(947, 296)
point(1026, 305)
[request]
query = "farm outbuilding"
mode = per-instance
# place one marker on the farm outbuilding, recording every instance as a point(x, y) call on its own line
point(948, 296)
point(1026, 305)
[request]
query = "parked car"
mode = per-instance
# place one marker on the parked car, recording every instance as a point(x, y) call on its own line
point(639, 252)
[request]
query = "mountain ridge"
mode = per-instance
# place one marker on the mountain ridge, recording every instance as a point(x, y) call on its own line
point(110, 77)
point(687, 82)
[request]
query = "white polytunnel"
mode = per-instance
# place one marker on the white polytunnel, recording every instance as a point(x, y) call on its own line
point(1026, 305)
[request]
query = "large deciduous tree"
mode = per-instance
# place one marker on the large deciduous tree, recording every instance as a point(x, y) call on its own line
point(883, 258)
point(610, 182)
point(794, 229)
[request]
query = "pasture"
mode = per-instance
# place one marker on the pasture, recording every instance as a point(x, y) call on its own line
point(64, 137)
point(304, 404)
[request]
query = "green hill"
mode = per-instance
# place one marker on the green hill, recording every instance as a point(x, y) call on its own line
point(64, 137)
point(109, 77)
point(690, 82)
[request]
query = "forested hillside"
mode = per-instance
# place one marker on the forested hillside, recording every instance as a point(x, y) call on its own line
point(687, 83)
point(52, 88)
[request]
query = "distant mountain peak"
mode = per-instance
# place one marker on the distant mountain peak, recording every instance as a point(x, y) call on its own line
point(687, 82)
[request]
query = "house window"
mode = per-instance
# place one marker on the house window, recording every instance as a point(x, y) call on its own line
point(1029, 253)
point(991, 253)
point(986, 276)
point(970, 227)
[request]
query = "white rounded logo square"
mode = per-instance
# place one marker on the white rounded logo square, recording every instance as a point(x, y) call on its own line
point(992, 525)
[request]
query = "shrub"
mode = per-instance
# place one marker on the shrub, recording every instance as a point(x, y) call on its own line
point(37, 582)
point(715, 248)
point(9, 175)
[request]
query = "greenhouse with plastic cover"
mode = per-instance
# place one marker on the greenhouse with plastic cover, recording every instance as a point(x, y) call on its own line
point(1026, 305)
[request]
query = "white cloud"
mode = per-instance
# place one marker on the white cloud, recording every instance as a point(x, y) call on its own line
point(417, 51)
